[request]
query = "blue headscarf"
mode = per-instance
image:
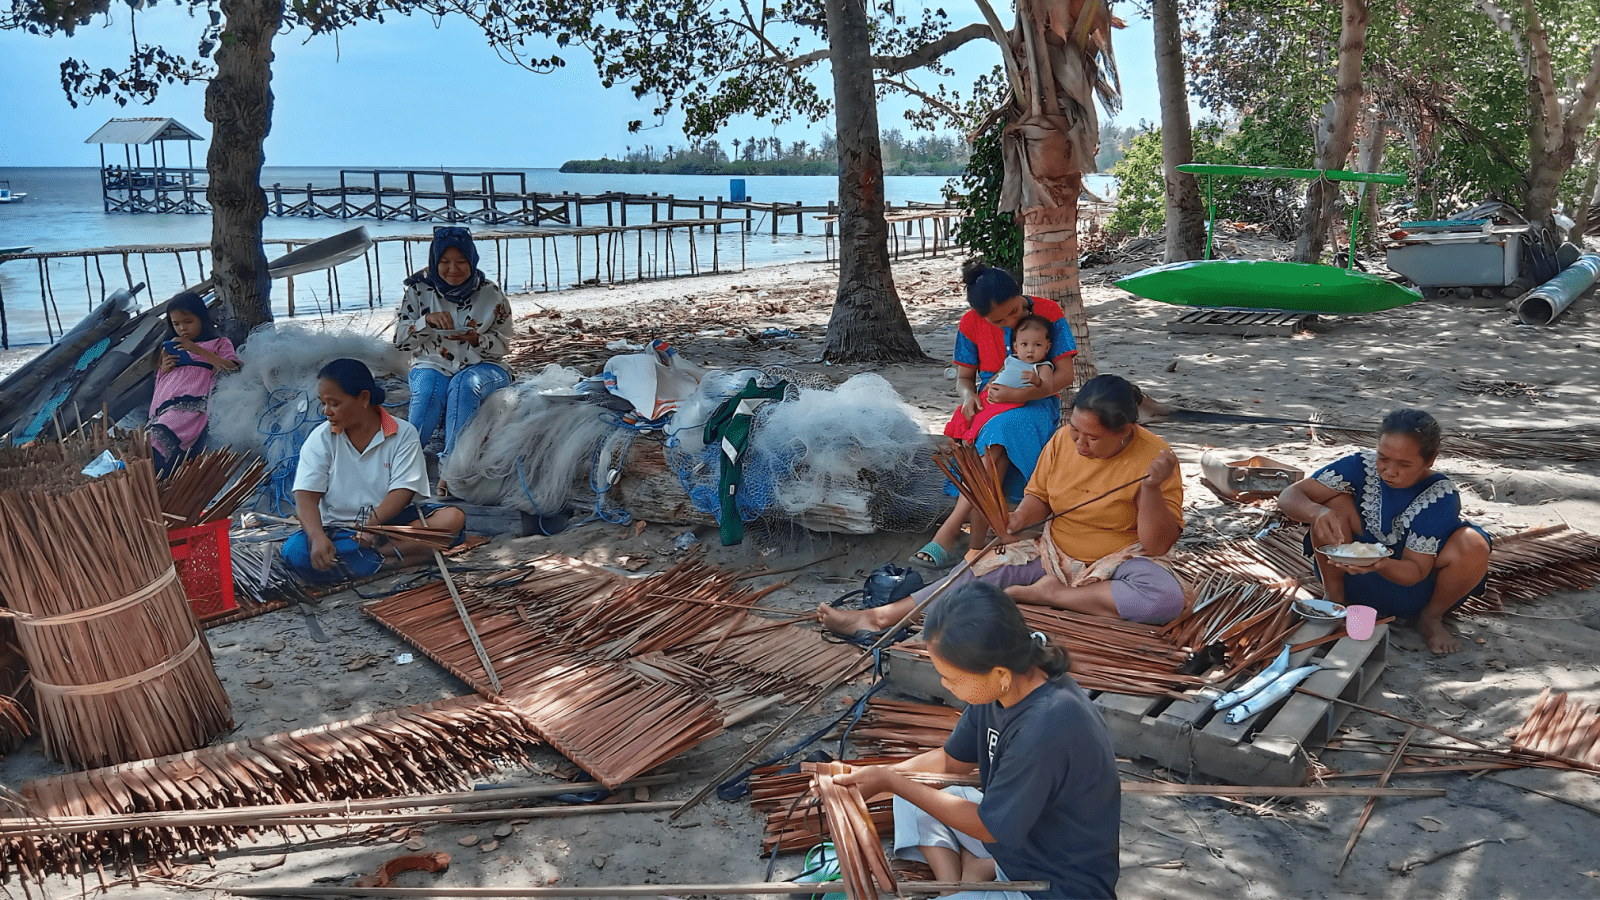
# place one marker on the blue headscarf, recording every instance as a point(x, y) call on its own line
point(461, 239)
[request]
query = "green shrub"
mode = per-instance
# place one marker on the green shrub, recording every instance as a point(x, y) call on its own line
point(988, 233)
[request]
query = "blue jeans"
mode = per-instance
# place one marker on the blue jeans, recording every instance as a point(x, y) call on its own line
point(436, 396)
point(353, 560)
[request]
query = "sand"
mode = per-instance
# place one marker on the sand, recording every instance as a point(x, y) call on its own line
point(1469, 365)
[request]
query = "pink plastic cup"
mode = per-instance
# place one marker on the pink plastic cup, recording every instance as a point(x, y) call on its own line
point(1360, 621)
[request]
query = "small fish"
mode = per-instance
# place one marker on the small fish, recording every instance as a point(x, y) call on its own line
point(1270, 695)
point(1249, 688)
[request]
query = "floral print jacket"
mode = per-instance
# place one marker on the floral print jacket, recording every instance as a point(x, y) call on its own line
point(488, 312)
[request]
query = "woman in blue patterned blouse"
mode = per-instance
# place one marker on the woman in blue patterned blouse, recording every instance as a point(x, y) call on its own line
point(1392, 496)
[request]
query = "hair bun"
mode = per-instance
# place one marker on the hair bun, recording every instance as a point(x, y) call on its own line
point(972, 270)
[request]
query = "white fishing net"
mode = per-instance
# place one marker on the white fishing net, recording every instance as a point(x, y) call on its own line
point(532, 445)
point(848, 459)
point(269, 405)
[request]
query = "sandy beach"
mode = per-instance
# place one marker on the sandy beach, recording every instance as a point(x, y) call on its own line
point(1470, 365)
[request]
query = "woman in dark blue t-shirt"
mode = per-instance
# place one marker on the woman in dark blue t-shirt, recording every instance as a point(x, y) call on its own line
point(1049, 808)
point(1392, 496)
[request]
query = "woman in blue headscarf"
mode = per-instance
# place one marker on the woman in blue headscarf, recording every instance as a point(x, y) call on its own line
point(457, 325)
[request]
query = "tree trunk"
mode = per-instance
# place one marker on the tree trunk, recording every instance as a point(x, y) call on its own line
point(1186, 219)
point(239, 107)
point(868, 322)
point(1335, 149)
point(1050, 269)
point(1372, 146)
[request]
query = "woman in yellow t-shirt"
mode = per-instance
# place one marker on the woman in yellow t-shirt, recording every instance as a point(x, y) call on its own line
point(1109, 558)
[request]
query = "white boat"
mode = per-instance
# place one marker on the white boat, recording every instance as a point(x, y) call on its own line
point(6, 196)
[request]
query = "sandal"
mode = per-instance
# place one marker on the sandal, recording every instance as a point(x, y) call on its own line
point(932, 556)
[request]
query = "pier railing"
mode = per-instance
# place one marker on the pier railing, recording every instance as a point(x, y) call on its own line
point(521, 260)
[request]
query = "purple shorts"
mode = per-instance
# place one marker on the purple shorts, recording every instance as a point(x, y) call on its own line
point(1144, 591)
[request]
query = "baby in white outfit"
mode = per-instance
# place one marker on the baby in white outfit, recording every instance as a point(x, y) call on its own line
point(1030, 350)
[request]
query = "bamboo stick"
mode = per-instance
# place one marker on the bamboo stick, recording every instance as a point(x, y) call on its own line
point(1372, 802)
point(632, 890)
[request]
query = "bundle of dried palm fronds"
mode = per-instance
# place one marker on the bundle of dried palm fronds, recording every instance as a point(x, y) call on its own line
point(862, 863)
point(437, 746)
point(1535, 563)
point(119, 664)
point(428, 537)
point(902, 727)
point(972, 474)
point(209, 487)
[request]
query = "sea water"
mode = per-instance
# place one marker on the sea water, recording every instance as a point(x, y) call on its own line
point(64, 211)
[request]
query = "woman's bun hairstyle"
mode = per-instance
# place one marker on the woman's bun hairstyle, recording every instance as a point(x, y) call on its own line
point(987, 285)
point(977, 628)
point(1417, 425)
point(1114, 400)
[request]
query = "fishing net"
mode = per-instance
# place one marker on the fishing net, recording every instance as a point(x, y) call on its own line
point(270, 406)
point(534, 445)
point(848, 459)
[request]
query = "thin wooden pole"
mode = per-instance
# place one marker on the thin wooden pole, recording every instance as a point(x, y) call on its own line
point(626, 890)
point(194, 818)
point(1366, 811)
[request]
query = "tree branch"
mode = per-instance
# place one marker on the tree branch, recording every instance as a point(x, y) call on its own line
point(956, 116)
point(893, 65)
point(1002, 37)
point(1582, 110)
point(1503, 22)
point(1543, 74)
point(930, 52)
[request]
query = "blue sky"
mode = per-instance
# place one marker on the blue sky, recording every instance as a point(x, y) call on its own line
point(410, 93)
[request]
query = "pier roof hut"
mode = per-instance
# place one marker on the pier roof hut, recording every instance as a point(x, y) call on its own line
point(132, 180)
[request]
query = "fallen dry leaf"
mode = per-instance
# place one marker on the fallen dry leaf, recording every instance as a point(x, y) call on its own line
point(1498, 663)
point(1429, 823)
point(261, 865)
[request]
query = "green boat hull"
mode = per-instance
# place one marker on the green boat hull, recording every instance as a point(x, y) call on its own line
point(1268, 284)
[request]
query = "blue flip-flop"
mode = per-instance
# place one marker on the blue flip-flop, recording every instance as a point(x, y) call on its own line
point(932, 556)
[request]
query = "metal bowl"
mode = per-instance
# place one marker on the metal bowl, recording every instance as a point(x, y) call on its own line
point(1319, 610)
point(1357, 561)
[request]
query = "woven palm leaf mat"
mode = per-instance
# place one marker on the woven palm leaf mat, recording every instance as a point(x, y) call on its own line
point(620, 674)
point(439, 746)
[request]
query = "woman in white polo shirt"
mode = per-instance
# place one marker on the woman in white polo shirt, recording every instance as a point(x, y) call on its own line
point(361, 466)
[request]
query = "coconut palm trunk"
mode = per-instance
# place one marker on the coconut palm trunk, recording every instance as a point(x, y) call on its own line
point(1057, 59)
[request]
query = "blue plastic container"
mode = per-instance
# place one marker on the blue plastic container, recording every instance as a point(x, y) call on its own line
point(736, 190)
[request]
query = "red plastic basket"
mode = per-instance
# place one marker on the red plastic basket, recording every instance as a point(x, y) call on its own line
point(205, 566)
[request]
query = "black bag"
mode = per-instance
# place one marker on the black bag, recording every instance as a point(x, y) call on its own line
point(884, 586)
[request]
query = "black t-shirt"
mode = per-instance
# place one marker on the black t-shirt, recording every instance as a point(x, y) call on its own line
point(1051, 794)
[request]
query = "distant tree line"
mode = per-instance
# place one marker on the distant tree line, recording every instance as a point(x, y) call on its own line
point(937, 154)
point(1114, 143)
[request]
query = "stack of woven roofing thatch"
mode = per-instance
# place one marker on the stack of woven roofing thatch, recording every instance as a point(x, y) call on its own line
point(118, 662)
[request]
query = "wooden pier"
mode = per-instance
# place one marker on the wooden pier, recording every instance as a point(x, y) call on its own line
point(461, 198)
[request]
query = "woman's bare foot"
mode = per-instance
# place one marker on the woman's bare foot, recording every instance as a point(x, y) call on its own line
point(850, 621)
point(1037, 593)
point(1439, 638)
